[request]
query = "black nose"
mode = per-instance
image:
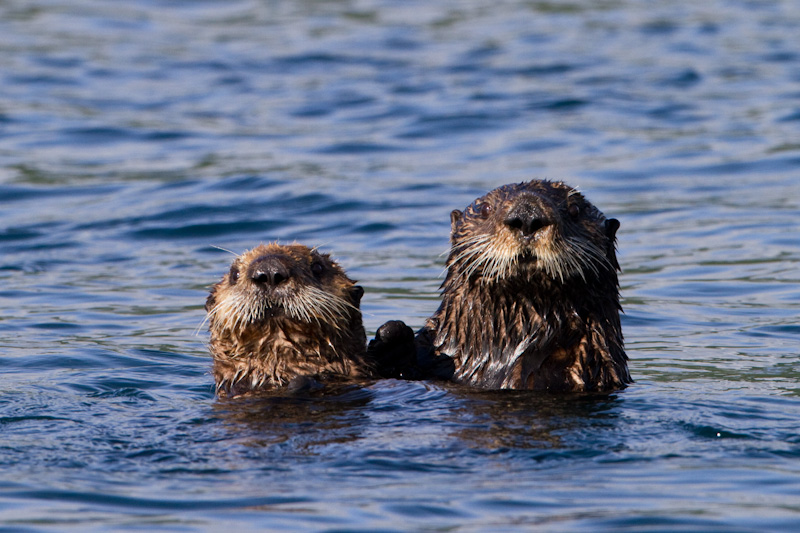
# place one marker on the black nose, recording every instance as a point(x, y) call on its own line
point(527, 216)
point(269, 270)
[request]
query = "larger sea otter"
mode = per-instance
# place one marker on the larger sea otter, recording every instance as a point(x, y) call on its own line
point(531, 297)
point(285, 315)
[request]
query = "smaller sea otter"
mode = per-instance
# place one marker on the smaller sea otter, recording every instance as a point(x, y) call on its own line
point(531, 296)
point(284, 315)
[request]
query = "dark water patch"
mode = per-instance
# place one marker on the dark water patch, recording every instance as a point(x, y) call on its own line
point(211, 230)
point(19, 234)
point(682, 112)
point(791, 117)
point(341, 100)
point(32, 418)
point(55, 325)
point(559, 104)
point(358, 148)
point(421, 512)
point(16, 193)
point(513, 504)
point(710, 432)
point(312, 111)
point(374, 228)
point(783, 56)
point(334, 206)
point(243, 183)
point(43, 79)
point(758, 166)
point(536, 146)
point(124, 502)
point(761, 165)
point(322, 60)
point(534, 71)
point(385, 114)
point(90, 358)
point(182, 214)
point(660, 27)
point(398, 465)
point(215, 65)
point(100, 135)
point(405, 88)
point(787, 331)
point(436, 126)
point(642, 522)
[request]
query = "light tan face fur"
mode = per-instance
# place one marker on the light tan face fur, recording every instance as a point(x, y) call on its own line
point(535, 226)
point(273, 282)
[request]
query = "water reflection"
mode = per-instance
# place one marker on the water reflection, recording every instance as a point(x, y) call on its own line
point(303, 420)
point(508, 420)
point(457, 418)
point(136, 136)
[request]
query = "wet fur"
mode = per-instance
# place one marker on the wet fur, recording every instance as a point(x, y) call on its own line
point(540, 312)
point(306, 326)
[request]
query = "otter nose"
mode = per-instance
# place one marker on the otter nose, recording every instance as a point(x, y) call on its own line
point(527, 217)
point(269, 270)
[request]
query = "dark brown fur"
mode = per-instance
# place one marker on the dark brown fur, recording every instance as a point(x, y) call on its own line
point(531, 297)
point(283, 314)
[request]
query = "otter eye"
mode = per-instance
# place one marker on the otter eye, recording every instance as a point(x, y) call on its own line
point(574, 210)
point(317, 269)
point(485, 209)
point(233, 275)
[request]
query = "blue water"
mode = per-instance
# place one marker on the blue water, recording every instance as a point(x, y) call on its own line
point(136, 138)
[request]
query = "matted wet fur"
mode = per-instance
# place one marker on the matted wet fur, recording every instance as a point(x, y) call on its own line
point(531, 296)
point(282, 315)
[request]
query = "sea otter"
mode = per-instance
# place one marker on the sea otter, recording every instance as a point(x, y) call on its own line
point(284, 315)
point(531, 296)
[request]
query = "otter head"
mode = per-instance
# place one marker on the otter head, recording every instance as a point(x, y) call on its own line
point(531, 297)
point(283, 313)
point(531, 229)
point(273, 283)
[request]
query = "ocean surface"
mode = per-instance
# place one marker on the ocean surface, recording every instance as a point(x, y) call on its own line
point(141, 139)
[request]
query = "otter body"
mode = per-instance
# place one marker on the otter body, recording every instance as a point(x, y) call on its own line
point(283, 314)
point(531, 296)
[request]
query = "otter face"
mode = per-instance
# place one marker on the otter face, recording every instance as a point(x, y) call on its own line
point(273, 281)
point(528, 228)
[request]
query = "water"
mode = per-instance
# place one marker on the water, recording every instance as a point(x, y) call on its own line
point(137, 138)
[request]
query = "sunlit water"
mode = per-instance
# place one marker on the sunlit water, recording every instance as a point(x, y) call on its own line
point(137, 138)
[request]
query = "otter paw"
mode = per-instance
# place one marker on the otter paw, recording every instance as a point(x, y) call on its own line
point(393, 351)
point(394, 331)
point(301, 384)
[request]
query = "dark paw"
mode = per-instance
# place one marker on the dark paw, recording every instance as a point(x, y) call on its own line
point(394, 331)
point(300, 384)
point(392, 351)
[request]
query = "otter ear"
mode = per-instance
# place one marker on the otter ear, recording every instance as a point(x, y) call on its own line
point(356, 292)
point(211, 301)
point(455, 218)
point(612, 225)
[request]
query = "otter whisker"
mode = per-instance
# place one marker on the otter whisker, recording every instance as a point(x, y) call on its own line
point(496, 260)
point(474, 253)
point(466, 255)
point(591, 257)
point(223, 249)
point(475, 265)
point(316, 305)
point(203, 323)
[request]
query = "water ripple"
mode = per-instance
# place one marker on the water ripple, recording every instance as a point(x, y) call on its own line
point(141, 141)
